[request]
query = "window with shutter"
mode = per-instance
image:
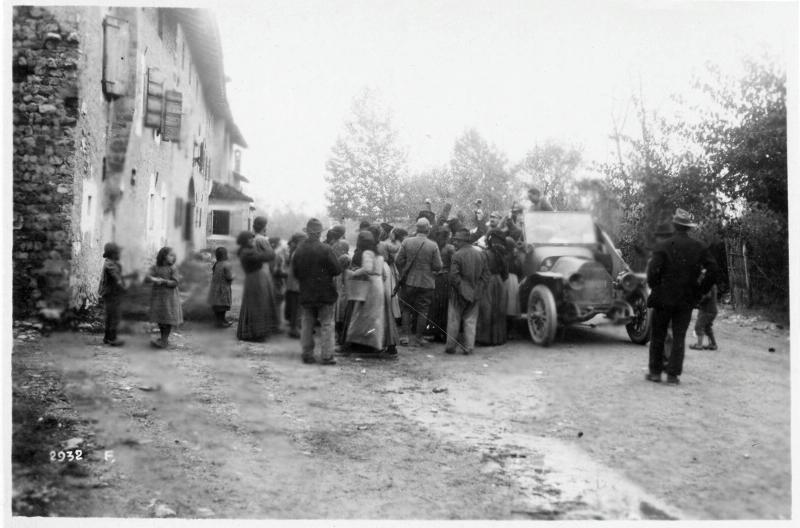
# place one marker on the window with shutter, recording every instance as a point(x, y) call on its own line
point(172, 116)
point(116, 38)
point(154, 99)
point(178, 212)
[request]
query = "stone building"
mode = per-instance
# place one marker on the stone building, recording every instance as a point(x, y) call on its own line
point(121, 128)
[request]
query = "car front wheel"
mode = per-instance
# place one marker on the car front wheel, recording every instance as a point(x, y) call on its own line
point(542, 315)
point(639, 327)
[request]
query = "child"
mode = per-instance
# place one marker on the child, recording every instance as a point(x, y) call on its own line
point(706, 313)
point(112, 286)
point(219, 295)
point(165, 303)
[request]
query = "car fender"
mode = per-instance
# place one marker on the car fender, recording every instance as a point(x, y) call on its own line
point(554, 281)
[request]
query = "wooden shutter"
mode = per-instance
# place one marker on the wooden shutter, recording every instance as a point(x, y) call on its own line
point(172, 116)
point(116, 39)
point(178, 212)
point(154, 99)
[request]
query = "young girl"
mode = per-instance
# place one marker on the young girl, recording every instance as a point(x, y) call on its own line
point(219, 295)
point(165, 303)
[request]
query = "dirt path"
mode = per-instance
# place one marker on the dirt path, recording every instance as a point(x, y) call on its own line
point(218, 428)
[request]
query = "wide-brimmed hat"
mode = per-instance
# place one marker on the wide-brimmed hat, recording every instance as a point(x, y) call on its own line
point(338, 230)
point(314, 226)
point(664, 229)
point(683, 218)
point(111, 250)
point(462, 235)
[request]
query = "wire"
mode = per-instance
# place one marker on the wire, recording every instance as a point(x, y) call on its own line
point(434, 324)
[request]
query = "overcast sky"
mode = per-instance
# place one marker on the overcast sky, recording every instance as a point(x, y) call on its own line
point(519, 72)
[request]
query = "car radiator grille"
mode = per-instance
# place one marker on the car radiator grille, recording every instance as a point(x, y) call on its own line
point(597, 289)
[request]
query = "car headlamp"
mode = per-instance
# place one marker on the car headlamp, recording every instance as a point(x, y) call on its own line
point(576, 281)
point(629, 282)
point(547, 264)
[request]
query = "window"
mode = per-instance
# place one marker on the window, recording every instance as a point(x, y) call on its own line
point(220, 222)
point(178, 212)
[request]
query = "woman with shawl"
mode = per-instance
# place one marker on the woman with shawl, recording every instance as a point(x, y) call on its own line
point(492, 329)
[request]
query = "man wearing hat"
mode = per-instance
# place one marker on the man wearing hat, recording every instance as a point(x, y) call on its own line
point(673, 275)
point(314, 264)
point(468, 276)
point(416, 262)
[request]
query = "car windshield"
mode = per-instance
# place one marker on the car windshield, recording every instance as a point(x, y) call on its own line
point(559, 228)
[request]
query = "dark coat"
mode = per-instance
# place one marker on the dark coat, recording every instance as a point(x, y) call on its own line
point(675, 269)
point(111, 282)
point(314, 264)
point(469, 273)
point(219, 293)
point(420, 269)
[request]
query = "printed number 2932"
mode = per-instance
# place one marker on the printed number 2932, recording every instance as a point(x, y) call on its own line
point(69, 455)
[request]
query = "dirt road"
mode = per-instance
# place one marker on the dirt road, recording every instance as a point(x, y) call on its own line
point(218, 428)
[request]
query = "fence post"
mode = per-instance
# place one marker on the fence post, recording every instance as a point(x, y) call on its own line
point(749, 297)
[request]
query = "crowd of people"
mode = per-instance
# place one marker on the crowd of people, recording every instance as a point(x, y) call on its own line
point(444, 282)
point(394, 288)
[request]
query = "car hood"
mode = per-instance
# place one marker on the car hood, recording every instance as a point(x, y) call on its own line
point(581, 252)
point(567, 265)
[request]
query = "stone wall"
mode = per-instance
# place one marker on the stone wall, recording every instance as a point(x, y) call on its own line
point(86, 171)
point(45, 113)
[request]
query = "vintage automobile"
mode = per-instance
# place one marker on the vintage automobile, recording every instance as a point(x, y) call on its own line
point(571, 272)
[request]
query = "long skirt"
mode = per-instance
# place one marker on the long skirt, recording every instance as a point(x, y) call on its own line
point(391, 281)
point(258, 317)
point(512, 291)
point(437, 314)
point(492, 307)
point(340, 305)
point(391, 335)
point(367, 322)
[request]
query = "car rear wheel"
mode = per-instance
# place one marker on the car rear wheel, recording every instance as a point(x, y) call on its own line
point(639, 327)
point(542, 315)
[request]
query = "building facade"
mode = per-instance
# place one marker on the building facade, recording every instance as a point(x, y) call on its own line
point(121, 126)
point(230, 210)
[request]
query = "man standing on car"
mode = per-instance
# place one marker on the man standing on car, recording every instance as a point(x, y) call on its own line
point(537, 202)
point(673, 275)
point(416, 262)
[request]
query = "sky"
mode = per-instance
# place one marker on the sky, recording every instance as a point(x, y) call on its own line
point(519, 72)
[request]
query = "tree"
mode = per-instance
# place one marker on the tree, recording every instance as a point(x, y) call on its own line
point(551, 167)
point(478, 170)
point(743, 133)
point(366, 165)
point(432, 184)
